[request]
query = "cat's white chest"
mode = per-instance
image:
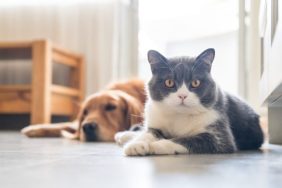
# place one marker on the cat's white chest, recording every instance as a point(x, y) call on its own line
point(174, 124)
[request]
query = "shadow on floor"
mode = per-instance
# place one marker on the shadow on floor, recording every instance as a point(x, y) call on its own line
point(19, 121)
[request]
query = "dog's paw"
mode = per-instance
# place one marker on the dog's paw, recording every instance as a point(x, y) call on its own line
point(123, 137)
point(137, 148)
point(31, 131)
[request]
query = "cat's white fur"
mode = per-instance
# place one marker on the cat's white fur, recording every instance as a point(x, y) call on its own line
point(165, 147)
point(176, 118)
point(122, 137)
point(159, 147)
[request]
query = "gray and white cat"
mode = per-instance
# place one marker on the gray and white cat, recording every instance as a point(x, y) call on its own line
point(188, 113)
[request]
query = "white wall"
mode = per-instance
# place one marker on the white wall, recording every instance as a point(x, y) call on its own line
point(225, 65)
point(224, 69)
point(103, 31)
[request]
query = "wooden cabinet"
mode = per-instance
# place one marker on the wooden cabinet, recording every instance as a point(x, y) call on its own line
point(41, 98)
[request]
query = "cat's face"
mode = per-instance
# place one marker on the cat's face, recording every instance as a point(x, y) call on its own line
point(182, 82)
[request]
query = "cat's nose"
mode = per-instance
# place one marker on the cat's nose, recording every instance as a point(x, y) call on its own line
point(182, 97)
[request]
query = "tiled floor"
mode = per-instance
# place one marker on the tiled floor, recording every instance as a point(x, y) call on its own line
point(63, 163)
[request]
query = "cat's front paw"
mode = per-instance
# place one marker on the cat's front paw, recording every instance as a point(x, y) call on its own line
point(120, 138)
point(137, 148)
point(123, 137)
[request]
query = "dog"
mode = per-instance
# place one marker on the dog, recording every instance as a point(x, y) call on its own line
point(116, 108)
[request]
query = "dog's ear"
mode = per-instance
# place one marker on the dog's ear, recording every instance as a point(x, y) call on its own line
point(73, 132)
point(133, 110)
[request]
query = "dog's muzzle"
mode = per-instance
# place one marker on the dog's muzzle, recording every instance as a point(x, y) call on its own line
point(90, 130)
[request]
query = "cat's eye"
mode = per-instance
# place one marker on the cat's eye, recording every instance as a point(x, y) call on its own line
point(169, 83)
point(110, 107)
point(195, 83)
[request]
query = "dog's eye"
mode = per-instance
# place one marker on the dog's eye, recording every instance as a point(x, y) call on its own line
point(85, 112)
point(110, 107)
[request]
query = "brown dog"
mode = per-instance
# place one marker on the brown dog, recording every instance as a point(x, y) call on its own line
point(102, 114)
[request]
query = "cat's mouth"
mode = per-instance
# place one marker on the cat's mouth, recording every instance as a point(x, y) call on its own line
point(184, 105)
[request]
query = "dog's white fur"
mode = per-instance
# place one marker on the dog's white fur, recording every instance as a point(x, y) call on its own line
point(34, 130)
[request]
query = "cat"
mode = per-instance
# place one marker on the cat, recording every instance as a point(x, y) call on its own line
point(187, 112)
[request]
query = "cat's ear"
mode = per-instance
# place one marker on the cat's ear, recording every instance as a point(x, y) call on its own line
point(156, 60)
point(206, 58)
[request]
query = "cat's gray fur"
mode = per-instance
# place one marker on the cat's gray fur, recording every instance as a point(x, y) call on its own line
point(237, 126)
point(235, 114)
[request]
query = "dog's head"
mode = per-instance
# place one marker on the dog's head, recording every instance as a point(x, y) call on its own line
point(107, 112)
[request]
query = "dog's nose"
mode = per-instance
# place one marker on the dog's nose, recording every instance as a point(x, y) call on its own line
point(89, 127)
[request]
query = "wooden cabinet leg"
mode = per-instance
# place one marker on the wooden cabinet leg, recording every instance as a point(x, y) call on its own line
point(41, 82)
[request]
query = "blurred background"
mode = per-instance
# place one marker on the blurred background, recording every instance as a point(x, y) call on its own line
point(115, 35)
